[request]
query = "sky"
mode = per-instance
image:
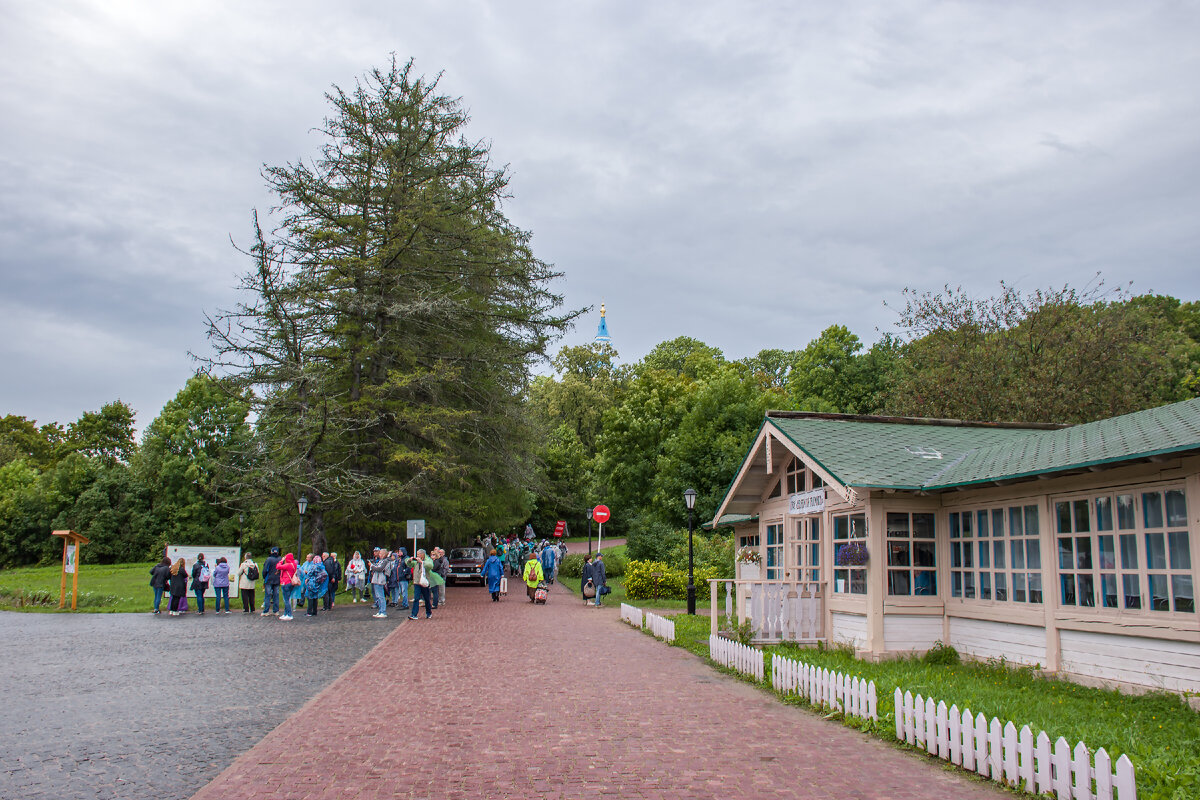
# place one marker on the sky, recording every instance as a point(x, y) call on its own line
point(745, 173)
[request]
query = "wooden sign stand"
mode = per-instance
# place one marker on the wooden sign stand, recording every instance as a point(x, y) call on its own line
point(71, 544)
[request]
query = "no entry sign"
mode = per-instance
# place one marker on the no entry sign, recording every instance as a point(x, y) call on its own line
point(559, 527)
point(600, 514)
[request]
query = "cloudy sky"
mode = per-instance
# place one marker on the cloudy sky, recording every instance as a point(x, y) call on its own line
point(746, 173)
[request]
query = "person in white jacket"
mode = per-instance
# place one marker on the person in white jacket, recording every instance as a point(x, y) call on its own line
point(246, 583)
point(356, 578)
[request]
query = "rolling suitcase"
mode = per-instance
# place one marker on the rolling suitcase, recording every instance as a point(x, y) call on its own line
point(539, 594)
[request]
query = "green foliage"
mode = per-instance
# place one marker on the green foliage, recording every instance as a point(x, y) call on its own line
point(655, 579)
point(572, 566)
point(712, 552)
point(941, 653)
point(23, 439)
point(615, 563)
point(830, 374)
point(650, 540)
point(106, 434)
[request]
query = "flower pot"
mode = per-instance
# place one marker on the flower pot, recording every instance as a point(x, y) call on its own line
point(749, 571)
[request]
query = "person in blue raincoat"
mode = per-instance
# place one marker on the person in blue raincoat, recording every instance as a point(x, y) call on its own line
point(315, 582)
point(549, 559)
point(493, 571)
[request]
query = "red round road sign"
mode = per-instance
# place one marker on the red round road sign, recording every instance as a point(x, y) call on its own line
point(600, 514)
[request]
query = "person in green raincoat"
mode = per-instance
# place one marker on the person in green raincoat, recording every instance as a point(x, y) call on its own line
point(533, 575)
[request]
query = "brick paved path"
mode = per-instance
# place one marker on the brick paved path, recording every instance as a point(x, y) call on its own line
point(512, 700)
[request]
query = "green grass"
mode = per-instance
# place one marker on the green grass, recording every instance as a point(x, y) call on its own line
point(103, 588)
point(1158, 731)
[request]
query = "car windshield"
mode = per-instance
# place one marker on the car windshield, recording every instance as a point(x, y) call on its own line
point(466, 553)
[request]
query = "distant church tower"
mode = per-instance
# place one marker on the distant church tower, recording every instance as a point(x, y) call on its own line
point(602, 336)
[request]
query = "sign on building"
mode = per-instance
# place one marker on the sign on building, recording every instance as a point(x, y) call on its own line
point(807, 502)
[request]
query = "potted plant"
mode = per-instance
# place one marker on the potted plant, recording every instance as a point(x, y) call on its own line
point(851, 554)
point(749, 562)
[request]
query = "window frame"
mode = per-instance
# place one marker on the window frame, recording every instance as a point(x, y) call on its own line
point(905, 577)
point(853, 580)
point(988, 568)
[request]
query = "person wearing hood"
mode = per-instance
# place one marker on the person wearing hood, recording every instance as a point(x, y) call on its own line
point(220, 582)
point(356, 571)
point(160, 574)
point(493, 571)
point(271, 583)
point(247, 577)
point(287, 572)
point(549, 559)
point(532, 575)
point(316, 582)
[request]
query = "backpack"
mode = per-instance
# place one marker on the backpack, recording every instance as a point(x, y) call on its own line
point(205, 575)
point(252, 572)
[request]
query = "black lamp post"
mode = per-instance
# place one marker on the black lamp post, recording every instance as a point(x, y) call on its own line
point(689, 497)
point(241, 525)
point(302, 504)
point(589, 516)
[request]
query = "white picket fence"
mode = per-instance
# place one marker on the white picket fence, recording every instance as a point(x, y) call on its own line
point(1009, 757)
point(852, 696)
point(631, 614)
point(739, 657)
point(661, 627)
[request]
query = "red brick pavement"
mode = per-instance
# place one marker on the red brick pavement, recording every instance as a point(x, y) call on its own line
point(508, 700)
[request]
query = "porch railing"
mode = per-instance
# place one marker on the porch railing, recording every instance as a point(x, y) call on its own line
point(778, 611)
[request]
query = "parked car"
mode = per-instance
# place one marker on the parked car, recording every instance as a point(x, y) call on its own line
point(466, 564)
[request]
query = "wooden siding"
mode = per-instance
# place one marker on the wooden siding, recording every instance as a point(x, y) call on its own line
point(849, 628)
point(1131, 660)
point(908, 632)
point(1020, 644)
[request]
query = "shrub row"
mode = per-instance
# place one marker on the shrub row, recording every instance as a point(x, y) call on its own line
point(645, 580)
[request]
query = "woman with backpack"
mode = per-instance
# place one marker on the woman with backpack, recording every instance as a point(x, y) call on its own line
point(201, 575)
point(248, 576)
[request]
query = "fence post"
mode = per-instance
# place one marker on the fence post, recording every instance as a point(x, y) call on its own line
point(1062, 769)
point(1104, 775)
point(967, 727)
point(1126, 787)
point(1082, 767)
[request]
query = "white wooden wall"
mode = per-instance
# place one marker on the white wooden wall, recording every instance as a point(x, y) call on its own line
point(849, 628)
point(905, 632)
point(1020, 644)
point(1158, 663)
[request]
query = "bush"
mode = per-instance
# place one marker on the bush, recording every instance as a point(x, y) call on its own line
point(713, 553)
point(615, 564)
point(646, 580)
point(652, 541)
point(941, 653)
point(572, 566)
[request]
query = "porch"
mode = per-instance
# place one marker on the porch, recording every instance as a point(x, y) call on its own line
point(777, 610)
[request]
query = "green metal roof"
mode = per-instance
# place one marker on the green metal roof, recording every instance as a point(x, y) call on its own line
point(914, 454)
point(728, 520)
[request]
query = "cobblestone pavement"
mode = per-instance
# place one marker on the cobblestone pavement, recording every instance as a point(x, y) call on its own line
point(506, 700)
point(137, 706)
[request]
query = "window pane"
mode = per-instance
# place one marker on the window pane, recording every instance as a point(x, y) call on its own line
point(1156, 551)
point(1018, 555)
point(1066, 558)
point(1015, 526)
point(858, 526)
point(997, 522)
point(968, 555)
point(1158, 593)
point(1001, 586)
point(1181, 556)
point(897, 525)
point(925, 582)
point(998, 552)
point(841, 578)
point(898, 554)
point(954, 527)
point(1133, 592)
point(898, 582)
point(981, 524)
point(1031, 521)
point(1129, 556)
point(1082, 521)
point(985, 552)
point(1104, 519)
point(956, 584)
point(815, 528)
point(1108, 588)
point(1035, 588)
point(1068, 590)
point(1064, 517)
point(985, 586)
point(1033, 554)
point(969, 585)
point(1019, 587)
point(841, 527)
point(1083, 552)
point(1181, 588)
point(1176, 509)
point(1152, 509)
point(923, 526)
point(1125, 519)
point(956, 554)
point(1108, 556)
point(923, 554)
point(858, 581)
point(1087, 594)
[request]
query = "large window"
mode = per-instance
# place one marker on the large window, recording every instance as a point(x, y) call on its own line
point(848, 528)
point(774, 551)
point(1126, 550)
point(911, 554)
point(995, 554)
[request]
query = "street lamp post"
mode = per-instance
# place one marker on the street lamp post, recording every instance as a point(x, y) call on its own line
point(302, 504)
point(241, 525)
point(689, 497)
point(589, 516)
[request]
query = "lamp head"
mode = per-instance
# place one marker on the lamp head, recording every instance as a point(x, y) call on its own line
point(302, 503)
point(689, 497)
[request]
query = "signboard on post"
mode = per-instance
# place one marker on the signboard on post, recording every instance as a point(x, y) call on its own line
point(70, 565)
point(559, 527)
point(416, 529)
point(232, 555)
point(601, 514)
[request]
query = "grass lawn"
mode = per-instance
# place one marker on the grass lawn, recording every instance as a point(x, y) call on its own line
point(102, 588)
point(1159, 732)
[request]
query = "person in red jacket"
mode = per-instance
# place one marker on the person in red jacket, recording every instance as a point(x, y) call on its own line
point(287, 569)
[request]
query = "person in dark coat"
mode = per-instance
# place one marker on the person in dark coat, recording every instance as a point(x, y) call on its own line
point(271, 583)
point(599, 578)
point(334, 570)
point(201, 575)
point(160, 573)
point(585, 577)
point(178, 583)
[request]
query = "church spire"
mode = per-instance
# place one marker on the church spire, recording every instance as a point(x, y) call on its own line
point(602, 336)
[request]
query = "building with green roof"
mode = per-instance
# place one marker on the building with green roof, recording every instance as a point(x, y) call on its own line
point(1073, 548)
